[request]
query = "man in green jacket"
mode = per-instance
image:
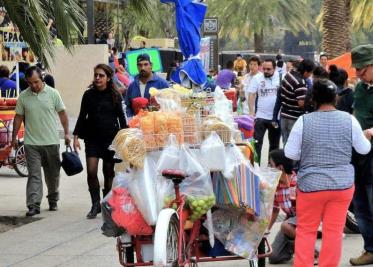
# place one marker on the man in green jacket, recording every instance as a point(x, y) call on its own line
point(362, 60)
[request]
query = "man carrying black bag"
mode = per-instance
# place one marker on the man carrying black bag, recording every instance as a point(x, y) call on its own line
point(37, 106)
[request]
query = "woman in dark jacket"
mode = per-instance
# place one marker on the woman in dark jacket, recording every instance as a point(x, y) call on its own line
point(345, 98)
point(101, 117)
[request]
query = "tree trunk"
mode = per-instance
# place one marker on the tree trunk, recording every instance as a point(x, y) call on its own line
point(334, 27)
point(348, 26)
point(259, 42)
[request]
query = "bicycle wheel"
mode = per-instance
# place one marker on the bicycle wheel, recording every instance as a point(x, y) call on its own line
point(166, 239)
point(19, 164)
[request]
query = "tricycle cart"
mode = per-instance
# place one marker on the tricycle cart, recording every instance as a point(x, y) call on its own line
point(8, 157)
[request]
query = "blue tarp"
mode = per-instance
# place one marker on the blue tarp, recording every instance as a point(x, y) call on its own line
point(189, 19)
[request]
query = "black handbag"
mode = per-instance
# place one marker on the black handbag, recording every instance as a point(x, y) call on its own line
point(71, 163)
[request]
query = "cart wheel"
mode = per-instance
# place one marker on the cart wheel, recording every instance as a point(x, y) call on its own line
point(166, 239)
point(19, 163)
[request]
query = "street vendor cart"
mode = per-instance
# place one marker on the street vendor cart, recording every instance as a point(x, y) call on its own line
point(188, 190)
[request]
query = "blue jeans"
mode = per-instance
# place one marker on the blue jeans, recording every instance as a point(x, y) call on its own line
point(363, 209)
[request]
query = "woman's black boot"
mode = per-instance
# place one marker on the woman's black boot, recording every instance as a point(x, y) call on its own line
point(96, 205)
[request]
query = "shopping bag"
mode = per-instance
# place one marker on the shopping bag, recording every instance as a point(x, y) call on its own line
point(71, 163)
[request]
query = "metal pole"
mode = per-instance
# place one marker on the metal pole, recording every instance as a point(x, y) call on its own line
point(90, 22)
point(17, 79)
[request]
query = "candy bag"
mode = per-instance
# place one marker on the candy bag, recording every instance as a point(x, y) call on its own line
point(213, 153)
point(233, 158)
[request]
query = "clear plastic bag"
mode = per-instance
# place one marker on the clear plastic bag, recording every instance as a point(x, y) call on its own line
point(213, 153)
point(200, 195)
point(210, 227)
point(169, 100)
point(165, 193)
point(233, 158)
point(189, 163)
point(240, 232)
point(169, 158)
point(143, 190)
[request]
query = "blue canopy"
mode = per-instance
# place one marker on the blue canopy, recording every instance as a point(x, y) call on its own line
point(189, 19)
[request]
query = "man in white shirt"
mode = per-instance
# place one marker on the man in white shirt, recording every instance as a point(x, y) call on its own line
point(254, 64)
point(262, 99)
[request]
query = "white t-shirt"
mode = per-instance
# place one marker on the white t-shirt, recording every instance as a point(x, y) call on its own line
point(294, 143)
point(142, 88)
point(246, 83)
point(266, 90)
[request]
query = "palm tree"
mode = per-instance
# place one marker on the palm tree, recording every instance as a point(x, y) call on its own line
point(334, 24)
point(251, 17)
point(32, 16)
point(338, 18)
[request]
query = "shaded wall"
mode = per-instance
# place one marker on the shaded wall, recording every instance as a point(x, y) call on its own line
point(74, 72)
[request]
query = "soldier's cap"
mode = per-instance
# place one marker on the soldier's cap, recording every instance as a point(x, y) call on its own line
point(362, 56)
point(143, 57)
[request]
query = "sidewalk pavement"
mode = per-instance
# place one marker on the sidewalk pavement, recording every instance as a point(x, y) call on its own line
point(66, 238)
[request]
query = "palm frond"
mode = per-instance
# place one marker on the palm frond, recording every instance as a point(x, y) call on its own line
point(31, 18)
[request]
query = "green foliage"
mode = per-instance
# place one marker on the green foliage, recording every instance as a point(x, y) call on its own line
point(244, 18)
point(362, 15)
point(31, 18)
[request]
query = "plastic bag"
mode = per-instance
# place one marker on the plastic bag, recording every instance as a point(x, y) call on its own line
point(160, 128)
point(210, 228)
point(189, 164)
point(242, 191)
point(223, 107)
point(109, 228)
point(165, 193)
point(169, 100)
point(213, 153)
point(224, 221)
point(233, 158)
point(169, 158)
point(125, 213)
point(200, 195)
point(129, 146)
point(142, 188)
point(241, 232)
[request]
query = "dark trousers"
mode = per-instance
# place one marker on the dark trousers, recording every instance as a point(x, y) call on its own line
point(274, 135)
point(363, 209)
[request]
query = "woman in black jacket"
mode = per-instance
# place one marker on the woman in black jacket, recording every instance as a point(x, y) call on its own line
point(345, 95)
point(101, 117)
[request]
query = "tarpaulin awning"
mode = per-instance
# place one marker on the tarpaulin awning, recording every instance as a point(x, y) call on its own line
point(344, 61)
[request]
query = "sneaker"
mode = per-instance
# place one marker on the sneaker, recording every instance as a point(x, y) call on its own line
point(32, 211)
point(364, 259)
point(53, 206)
